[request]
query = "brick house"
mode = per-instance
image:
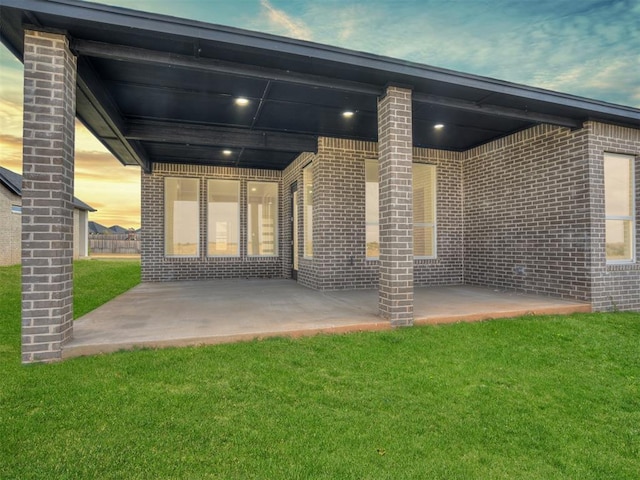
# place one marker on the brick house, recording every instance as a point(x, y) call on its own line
point(268, 157)
point(11, 220)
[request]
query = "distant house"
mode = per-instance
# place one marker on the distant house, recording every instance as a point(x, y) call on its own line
point(95, 228)
point(118, 229)
point(11, 215)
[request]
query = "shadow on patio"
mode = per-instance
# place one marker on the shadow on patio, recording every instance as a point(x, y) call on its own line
point(219, 311)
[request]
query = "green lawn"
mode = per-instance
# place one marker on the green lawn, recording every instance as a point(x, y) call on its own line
point(529, 398)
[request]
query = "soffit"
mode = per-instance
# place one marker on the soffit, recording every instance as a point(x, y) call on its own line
point(138, 72)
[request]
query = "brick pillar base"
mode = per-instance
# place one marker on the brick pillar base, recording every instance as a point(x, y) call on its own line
point(395, 298)
point(47, 195)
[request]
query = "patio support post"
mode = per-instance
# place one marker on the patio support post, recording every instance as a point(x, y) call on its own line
point(395, 150)
point(47, 195)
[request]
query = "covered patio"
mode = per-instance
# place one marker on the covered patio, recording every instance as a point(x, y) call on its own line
point(274, 158)
point(170, 314)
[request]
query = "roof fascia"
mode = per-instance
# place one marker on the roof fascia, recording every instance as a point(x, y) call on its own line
point(9, 185)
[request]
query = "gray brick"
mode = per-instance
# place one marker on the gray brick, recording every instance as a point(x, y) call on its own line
point(396, 205)
point(48, 167)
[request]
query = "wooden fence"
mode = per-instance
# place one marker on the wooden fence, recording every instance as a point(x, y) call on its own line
point(114, 243)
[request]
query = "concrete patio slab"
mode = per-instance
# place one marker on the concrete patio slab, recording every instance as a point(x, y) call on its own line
point(220, 311)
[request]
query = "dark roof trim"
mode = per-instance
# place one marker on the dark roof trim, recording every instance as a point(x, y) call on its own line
point(91, 91)
point(190, 29)
point(13, 182)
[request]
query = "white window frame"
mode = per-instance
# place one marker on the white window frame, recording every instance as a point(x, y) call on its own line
point(210, 218)
point(276, 227)
point(307, 220)
point(434, 224)
point(164, 213)
point(367, 200)
point(630, 218)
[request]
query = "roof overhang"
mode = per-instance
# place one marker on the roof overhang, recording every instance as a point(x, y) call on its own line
point(155, 88)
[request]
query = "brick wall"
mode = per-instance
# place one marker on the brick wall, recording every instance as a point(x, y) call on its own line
point(308, 273)
point(339, 217)
point(156, 267)
point(523, 213)
point(10, 230)
point(448, 267)
point(339, 221)
point(527, 208)
point(614, 286)
point(47, 195)
point(395, 151)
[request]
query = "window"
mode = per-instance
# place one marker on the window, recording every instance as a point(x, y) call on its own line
point(619, 207)
point(307, 202)
point(262, 218)
point(181, 217)
point(223, 218)
point(372, 204)
point(16, 209)
point(424, 210)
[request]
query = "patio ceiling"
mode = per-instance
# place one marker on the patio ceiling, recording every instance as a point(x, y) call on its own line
point(154, 88)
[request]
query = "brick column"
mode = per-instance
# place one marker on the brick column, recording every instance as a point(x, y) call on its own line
point(47, 195)
point(395, 148)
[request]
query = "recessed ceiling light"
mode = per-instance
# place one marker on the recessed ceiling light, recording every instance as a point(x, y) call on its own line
point(242, 102)
point(348, 114)
point(438, 126)
point(227, 152)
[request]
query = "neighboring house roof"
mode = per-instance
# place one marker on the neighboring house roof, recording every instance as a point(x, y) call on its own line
point(95, 228)
point(154, 88)
point(13, 182)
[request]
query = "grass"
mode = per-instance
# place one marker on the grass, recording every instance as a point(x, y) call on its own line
point(98, 281)
point(528, 398)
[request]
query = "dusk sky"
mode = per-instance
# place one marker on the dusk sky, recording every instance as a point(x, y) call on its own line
point(589, 48)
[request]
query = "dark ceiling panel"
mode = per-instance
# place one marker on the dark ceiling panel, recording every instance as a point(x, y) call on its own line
point(434, 114)
point(180, 152)
point(137, 101)
point(324, 97)
point(201, 155)
point(266, 159)
point(293, 117)
point(458, 137)
point(179, 79)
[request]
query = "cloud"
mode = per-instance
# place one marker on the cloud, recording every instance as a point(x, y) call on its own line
point(285, 24)
point(614, 81)
point(588, 48)
point(107, 185)
point(11, 148)
point(10, 114)
point(115, 215)
point(99, 180)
